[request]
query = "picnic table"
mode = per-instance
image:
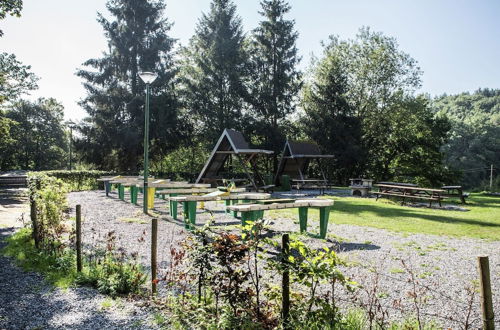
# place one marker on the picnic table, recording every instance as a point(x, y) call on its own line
point(117, 180)
point(252, 212)
point(122, 183)
point(189, 202)
point(410, 192)
point(455, 191)
point(161, 189)
point(320, 184)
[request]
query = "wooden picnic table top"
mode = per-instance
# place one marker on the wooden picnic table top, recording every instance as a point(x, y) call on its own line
point(179, 185)
point(451, 187)
point(186, 191)
point(140, 183)
point(410, 188)
point(315, 202)
point(231, 196)
point(131, 181)
point(309, 180)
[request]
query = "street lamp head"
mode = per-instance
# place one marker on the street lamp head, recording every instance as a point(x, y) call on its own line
point(148, 77)
point(70, 124)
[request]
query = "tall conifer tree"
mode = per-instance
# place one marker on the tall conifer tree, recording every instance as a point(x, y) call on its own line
point(137, 40)
point(275, 80)
point(215, 71)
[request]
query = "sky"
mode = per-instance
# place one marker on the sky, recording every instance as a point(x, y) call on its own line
point(456, 42)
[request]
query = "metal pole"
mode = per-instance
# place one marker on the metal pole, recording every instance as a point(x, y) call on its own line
point(285, 282)
point(146, 151)
point(78, 238)
point(491, 177)
point(70, 141)
point(154, 241)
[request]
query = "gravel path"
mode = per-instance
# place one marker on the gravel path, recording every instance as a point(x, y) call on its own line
point(28, 302)
point(443, 267)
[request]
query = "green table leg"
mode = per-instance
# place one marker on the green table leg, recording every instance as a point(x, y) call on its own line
point(133, 195)
point(324, 214)
point(234, 213)
point(303, 219)
point(107, 187)
point(251, 216)
point(121, 192)
point(171, 204)
point(191, 205)
point(246, 216)
point(173, 209)
point(185, 210)
point(228, 203)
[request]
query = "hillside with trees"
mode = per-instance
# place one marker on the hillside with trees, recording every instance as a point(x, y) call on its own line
point(474, 139)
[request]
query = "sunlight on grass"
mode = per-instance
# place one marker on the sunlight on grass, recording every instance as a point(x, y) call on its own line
point(59, 271)
point(481, 221)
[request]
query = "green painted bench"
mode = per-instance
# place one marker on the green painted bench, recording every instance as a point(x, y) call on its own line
point(252, 212)
point(121, 183)
point(190, 203)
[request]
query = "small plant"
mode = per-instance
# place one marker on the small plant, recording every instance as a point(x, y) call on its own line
point(112, 271)
point(309, 268)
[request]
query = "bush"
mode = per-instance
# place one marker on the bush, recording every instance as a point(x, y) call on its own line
point(49, 194)
point(111, 271)
point(76, 180)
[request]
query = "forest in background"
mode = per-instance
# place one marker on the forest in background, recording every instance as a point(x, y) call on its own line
point(357, 99)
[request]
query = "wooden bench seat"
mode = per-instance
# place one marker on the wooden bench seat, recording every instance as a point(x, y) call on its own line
point(190, 203)
point(412, 196)
point(252, 212)
point(419, 196)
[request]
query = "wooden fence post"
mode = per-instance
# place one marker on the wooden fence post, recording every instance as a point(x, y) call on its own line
point(34, 223)
point(486, 297)
point(78, 238)
point(285, 283)
point(154, 239)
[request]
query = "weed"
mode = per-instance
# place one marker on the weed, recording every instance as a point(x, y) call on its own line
point(397, 271)
point(134, 220)
point(106, 304)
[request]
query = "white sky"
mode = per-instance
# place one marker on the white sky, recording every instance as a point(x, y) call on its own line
point(456, 42)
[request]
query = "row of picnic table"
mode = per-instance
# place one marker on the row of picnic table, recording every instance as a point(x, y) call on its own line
point(411, 191)
point(250, 205)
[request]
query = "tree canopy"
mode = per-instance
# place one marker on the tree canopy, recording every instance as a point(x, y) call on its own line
point(214, 71)
point(359, 105)
point(274, 81)
point(37, 140)
point(474, 141)
point(137, 41)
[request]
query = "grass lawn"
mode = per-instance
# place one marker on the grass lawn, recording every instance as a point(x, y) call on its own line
point(482, 221)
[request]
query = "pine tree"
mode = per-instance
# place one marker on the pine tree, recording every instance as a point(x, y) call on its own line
point(137, 40)
point(275, 80)
point(329, 118)
point(214, 71)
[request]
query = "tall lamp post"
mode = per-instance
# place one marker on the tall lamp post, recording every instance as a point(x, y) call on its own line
point(71, 125)
point(147, 78)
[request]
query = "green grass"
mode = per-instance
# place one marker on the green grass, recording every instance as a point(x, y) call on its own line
point(59, 271)
point(482, 221)
point(134, 220)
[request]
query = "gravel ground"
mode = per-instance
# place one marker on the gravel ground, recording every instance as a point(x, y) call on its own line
point(28, 302)
point(443, 267)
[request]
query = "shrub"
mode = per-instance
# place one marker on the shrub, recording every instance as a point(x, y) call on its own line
point(76, 180)
point(112, 271)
